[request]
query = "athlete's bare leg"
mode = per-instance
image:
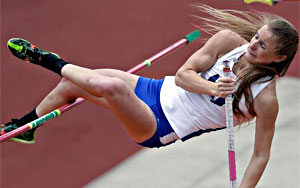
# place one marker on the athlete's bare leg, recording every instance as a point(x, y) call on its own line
point(107, 88)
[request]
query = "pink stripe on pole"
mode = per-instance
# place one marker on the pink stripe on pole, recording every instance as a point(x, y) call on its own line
point(232, 167)
point(160, 55)
point(169, 49)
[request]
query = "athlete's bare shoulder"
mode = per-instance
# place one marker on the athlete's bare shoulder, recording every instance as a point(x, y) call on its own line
point(228, 40)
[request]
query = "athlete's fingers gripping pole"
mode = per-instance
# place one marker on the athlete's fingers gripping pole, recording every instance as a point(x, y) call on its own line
point(40, 121)
point(230, 130)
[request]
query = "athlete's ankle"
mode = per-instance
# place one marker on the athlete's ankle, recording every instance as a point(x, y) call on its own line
point(51, 62)
point(27, 118)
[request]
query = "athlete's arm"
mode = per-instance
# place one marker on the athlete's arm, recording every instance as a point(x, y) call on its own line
point(266, 108)
point(219, 44)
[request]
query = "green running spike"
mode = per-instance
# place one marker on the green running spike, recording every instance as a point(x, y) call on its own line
point(14, 46)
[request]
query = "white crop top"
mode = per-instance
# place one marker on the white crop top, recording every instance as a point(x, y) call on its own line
point(188, 112)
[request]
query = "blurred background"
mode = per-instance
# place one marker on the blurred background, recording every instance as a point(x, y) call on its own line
point(86, 142)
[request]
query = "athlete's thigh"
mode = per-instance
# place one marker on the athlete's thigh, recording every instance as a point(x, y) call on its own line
point(128, 78)
point(136, 117)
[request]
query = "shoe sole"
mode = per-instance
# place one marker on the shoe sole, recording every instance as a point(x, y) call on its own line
point(22, 141)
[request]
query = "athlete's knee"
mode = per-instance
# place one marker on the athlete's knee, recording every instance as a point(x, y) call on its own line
point(65, 86)
point(64, 82)
point(108, 86)
point(66, 89)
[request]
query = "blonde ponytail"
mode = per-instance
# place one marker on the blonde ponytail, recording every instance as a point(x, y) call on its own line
point(244, 23)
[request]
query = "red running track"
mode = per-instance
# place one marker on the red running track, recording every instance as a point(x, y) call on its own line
point(84, 143)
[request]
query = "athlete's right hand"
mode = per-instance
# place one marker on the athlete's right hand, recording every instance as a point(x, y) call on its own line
point(225, 86)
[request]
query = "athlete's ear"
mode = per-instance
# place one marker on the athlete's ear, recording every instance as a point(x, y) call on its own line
point(280, 58)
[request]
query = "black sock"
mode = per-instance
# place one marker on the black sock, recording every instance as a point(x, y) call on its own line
point(52, 63)
point(27, 118)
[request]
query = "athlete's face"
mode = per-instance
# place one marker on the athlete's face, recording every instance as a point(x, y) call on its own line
point(262, 48)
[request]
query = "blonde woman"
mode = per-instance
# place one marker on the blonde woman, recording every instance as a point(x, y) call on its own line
point(259, 47)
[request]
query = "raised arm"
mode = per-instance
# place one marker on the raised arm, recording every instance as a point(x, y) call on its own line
point(266, 107)
point(219, 44)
